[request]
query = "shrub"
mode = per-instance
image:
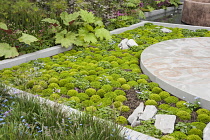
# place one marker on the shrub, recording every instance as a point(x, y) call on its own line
point(104, 102)
point(117, 104)
point(120, 98)
point(54, 96)
point(193, 137)
point(37, 88)
point(90, 91)
point(115, 76)
point(153, 85)
point(132, 83)
point(119, 92)
point(74, 98)
point(171, 99)
point(183, 115)
point(69, 86)
point(195, 131)
point(107, 88)
point(91, 109)
point(43, 84)
point(47, 92)
point(199, 125)
point(203, 111)
point(203, 118)
point(143, 76)
point(115, 84)
point(156, 90)
point(30, 83)
point(121, 120)
point(125, 86)
point(173, 110)
point(95, 84)
point(72, 92)
point(83, 96)
point(62, 82)
point(180, 104)
point(110, 95)
point(164, 106)
point(155, 97)
point(186, 109)
point(151, 102)
point(142, 81)
point(101, 93)
point(167, 137)
point(124, 108)
point(178, 135)
point(53, 80)
point(87, 103)
point(95, 98)
point(121, 80)
point(164, 94)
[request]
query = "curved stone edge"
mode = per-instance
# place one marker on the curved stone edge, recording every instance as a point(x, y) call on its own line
point(8, 63)
point(126, 133)
point(171, 89)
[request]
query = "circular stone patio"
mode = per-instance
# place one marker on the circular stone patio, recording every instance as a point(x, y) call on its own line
point(181, 67)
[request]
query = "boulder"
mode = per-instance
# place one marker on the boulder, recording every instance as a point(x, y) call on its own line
point(149, 112)
point(136, 113)
point(206, 132)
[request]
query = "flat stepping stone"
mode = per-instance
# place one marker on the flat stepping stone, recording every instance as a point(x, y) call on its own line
point(181, 67)
point(165, 123)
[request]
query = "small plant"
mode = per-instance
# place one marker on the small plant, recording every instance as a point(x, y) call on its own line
point(72, 92)
point(156, 90)
point(95, 98)
point(164, 106)
point(203, 118)
point(183, 115)
point(155, 97)
point(117, 104)
point(199, 125)
point(124, 108)
point(195, 131)
point(82, 96)
point(144, 95)
point(171, 99)
point(151, 102)
point(167, 137)
point(121, 120)
point(120, 98)
point(121, 80)
point(203, 111)
point(125, 86)
point(193, 137)
point(107, 88)
point(90, 91)
point(74, 98)
point(183, 127)
point(164, 94)
point(119, 92)
point(180, 104)
point(178, 135)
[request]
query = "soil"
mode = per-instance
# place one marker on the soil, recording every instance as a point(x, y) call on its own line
point(133, 102)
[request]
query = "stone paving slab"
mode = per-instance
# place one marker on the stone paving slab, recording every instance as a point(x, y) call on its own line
point(181, 67)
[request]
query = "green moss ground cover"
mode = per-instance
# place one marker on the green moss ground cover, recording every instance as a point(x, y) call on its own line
point(101, 79)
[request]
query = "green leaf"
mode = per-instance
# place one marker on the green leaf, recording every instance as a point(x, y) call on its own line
point(8, 51)
point(66, 39)
point(99, 22)
point(102, 34)
point(27, 39)
point(49, 20)
point(68, 17)
point(87, 16)
point(3, 26)
point(90, 38)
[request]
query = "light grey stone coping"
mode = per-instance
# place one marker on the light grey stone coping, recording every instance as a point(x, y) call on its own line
point(181, 67)
point(8, 63)
point(128, 134)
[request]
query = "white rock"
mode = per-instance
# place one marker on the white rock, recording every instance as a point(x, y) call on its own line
point(149, 112)
point(136, 113)
point(165, 30)
point(135, 122)
point(165, 123)
point(123, 44)
point(131, 43)
point(206, 132)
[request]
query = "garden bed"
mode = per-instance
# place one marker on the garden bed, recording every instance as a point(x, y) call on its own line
point(113, 63)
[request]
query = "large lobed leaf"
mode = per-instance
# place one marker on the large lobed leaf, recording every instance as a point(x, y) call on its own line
point(68, 17)
point(87, 16)
point(49, 20)
point(102, 34)
point(27, 39)
point(3, 26)
point(7, 51)
point(66, 39)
